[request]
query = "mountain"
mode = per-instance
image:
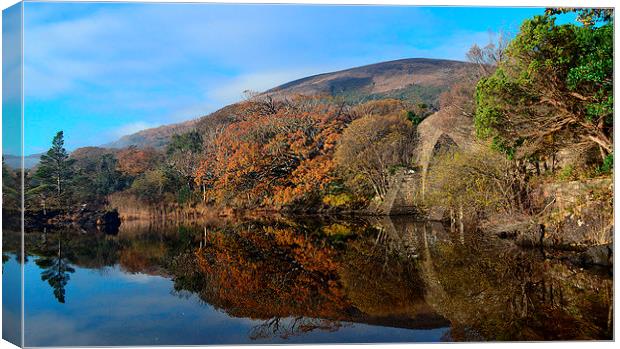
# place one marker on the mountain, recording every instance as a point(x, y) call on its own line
point(14, 161)
point(418, 79)
point(156, 137)
point(415, 78)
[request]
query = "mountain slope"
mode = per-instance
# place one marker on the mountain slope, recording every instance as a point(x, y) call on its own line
point(406, 78)
point(156, 137)
point(417, 79)
point(15, 162)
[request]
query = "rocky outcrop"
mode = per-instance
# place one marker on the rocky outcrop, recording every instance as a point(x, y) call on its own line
point(579, 214)
point(575, 216)
point(601, 255)
point(84, 218)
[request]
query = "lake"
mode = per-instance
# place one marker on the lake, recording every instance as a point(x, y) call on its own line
point(300, 280)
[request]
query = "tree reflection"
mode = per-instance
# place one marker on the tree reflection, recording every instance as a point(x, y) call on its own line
point(56, 271)
point(493, 290)
point(271, 271)
point(398, 273)
point(306, 277)
point(301, 276)
point(286, 328)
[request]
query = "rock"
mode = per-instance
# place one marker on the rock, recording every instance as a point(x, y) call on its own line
point(532, 236)
point(436, 214)
point(109, 222)
point(601, 255)
point(87, 219)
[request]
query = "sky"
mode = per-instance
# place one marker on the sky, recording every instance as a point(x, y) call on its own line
point(98, 71)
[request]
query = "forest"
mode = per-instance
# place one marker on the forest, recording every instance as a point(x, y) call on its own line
point(536, 112)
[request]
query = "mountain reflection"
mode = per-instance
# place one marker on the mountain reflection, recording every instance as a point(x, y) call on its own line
point(297, 277)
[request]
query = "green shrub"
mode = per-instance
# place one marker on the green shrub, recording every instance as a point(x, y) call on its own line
point(608, 164)
point(566, 173)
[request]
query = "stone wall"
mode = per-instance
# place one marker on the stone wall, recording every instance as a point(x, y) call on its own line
point(567, 194)
point(576, 214)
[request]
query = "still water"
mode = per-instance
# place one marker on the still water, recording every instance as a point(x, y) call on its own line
point(300, 281)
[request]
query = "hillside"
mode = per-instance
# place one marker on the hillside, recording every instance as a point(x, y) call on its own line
point(417, 79)
point(15, 161)
point(156, 137)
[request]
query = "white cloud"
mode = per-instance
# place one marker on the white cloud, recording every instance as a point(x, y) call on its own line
point(138, 278)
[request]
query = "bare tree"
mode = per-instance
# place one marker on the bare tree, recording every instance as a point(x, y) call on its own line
point(488, 57)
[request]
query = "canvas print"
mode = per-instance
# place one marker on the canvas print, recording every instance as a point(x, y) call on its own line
point(201, 174)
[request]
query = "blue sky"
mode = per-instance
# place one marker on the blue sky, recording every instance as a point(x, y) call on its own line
point(102, 70)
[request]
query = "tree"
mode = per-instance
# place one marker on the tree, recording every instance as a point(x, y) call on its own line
point(273, 159)
point(183, 153)
point(459, 100)
point(553, 89)
point(371, 146)
point(108, 179)
point(133, 161)
point(96, 174)
point(478, 180)
point(55, 168)
point(487, 58)
point(586, 16)
point(151, 186)
point(10, 187)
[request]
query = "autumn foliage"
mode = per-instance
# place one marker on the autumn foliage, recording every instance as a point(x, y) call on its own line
point(274, 157)
point(280, 154)
point(134, 161)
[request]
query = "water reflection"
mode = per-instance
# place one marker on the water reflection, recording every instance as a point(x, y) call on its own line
point(56, 271)
point(317, 281)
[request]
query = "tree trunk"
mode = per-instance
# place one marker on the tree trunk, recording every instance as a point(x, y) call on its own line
point(602, 152)
point(461, 226)
point(452, 220)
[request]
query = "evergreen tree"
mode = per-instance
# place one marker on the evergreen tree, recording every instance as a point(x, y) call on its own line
point(10, 187)
point(108, 179)
point(56, 169)
point(553, 90)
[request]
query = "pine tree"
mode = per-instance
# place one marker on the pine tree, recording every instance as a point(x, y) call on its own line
point(56, 169)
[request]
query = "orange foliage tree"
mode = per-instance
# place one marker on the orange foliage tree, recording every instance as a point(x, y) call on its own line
point(134, 161)
point(277, 154)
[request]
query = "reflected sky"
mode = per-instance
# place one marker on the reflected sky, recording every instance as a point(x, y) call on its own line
point(111, 307)
point(11, 299)
point(277, 281)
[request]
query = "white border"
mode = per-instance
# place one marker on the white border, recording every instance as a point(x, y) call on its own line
point(490, 3)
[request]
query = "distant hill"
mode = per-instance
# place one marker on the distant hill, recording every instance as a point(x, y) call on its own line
point(14, 161)
point(417, 79)
point(153, 137)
